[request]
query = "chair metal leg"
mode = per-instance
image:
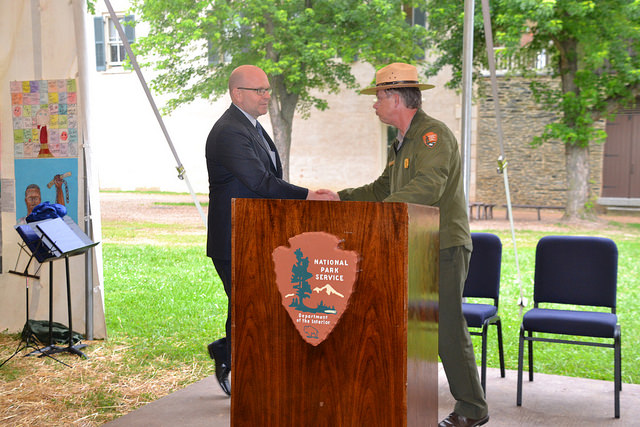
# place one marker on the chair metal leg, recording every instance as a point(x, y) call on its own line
point(483, 369)
point(619, 355)
point(617, 367)
point(530, 356)
point(520, 361)
point(500, 347)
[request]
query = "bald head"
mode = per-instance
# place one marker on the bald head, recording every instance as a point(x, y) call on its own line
point(243, 83)
point(244, 73)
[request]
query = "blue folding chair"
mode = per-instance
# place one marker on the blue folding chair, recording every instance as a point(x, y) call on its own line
point(581, 271)
point(483, 281)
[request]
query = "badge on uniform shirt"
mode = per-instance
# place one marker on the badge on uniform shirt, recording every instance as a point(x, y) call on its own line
point(430, 139)
point(406, 163)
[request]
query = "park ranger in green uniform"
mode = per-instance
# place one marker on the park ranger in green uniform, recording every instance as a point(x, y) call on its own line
point(424, 167)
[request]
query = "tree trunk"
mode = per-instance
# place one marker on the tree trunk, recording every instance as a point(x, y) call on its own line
point(282, 106)
point(577, 152)
point(577, 161)
point(281, 109)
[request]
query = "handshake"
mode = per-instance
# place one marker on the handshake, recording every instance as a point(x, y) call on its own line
point(323, 194)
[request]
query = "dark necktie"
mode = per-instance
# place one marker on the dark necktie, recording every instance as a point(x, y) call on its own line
point(272, 154)
point(259, 127)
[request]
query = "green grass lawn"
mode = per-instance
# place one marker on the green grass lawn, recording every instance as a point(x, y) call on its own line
point(166, 301)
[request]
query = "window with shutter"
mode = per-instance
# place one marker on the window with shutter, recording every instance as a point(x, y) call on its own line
point(110, 51)
point(98, 29)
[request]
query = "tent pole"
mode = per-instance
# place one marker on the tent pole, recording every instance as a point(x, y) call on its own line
point(502, 162)
point(79, 11)
point(467, 64)
point(182, 173)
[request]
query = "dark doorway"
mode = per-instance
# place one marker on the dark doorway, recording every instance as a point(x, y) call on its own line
point(621, 165)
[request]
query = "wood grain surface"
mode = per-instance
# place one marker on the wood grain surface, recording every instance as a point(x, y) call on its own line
point(358, 376)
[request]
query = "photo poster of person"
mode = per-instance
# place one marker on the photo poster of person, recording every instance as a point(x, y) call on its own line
point(46, 180)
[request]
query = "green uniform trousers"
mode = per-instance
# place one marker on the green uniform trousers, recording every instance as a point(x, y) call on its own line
point(454, 342)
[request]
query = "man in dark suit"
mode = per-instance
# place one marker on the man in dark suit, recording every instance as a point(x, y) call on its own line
point(242, 162)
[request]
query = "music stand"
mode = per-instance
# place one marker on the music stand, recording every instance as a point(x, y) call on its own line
point(33, 247)
point(50, 240)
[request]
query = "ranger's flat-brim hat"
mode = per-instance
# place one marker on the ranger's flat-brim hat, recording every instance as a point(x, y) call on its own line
point(395, 76)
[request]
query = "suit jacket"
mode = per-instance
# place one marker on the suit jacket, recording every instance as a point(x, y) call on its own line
point(239, 166)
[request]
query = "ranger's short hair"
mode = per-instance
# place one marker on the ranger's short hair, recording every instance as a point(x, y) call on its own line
point(411, 96)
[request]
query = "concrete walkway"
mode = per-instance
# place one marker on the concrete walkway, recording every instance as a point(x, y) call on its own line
point(550, 400)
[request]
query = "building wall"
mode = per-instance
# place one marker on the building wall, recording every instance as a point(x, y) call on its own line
point(536, 175)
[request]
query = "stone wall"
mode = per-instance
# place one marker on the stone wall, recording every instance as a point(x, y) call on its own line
point(536, 175)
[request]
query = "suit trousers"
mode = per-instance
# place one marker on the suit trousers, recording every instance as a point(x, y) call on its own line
point(223, 268)
point(454, 342)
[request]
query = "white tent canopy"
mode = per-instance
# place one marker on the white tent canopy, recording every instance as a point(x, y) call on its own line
point(43, 47)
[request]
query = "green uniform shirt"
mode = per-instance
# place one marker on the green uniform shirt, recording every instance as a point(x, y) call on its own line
point(426, 170)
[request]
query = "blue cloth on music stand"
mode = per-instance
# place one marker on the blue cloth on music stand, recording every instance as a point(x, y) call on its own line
point(46, 210)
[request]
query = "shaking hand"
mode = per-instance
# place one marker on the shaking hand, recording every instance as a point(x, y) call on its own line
point(323, 194)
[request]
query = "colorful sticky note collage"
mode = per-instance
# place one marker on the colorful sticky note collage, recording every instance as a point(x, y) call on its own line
point(45, 118)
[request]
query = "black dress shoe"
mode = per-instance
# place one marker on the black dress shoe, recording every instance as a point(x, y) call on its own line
point(216, 351)
point(222, 374)
point(455, 420)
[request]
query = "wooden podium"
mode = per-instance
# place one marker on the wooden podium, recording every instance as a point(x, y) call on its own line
point(378, 367)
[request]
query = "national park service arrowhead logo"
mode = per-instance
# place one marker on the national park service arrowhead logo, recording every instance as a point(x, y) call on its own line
point(315, 278)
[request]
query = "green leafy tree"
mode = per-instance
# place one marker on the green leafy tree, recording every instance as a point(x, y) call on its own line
point(300, 275)
point(305, 47)
point(593, 46)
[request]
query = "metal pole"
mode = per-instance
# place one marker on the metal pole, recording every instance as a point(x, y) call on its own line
point(182, 173)
point(79, 10)
point(467, 63)
point(88, 268)
point(502, 161)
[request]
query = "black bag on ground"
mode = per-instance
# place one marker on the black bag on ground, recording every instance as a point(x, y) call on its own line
point(38, 330)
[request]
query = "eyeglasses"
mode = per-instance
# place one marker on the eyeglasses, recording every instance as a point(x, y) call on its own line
point(260, 91)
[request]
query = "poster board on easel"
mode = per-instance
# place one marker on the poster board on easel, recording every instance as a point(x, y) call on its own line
point(48, 168)
point(44, 134)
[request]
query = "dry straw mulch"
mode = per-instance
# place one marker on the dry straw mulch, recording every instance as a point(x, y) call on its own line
point(38, 391)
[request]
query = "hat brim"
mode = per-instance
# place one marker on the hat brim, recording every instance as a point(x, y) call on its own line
point(373, 90)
